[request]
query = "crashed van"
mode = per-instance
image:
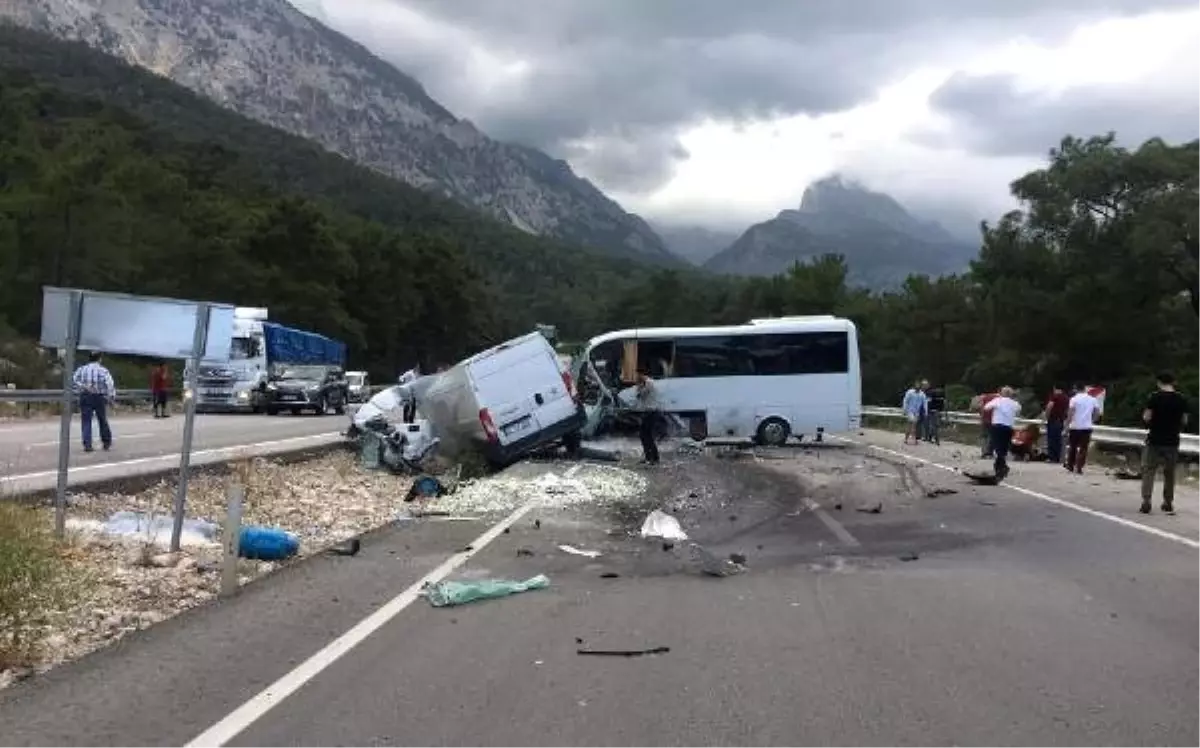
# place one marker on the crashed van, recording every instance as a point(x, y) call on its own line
point(504, 402)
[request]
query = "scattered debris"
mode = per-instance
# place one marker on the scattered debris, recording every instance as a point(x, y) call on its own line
point(983, 479)
point(149, 528)
point(1126, 474)
point(610, 575)
point(661, 525)
point(578, 551)
point(712, 566)
point(739, 558)
point(933, 493)
point(624, 652)
point(988, 503)
point(873, 507)
point(267, 543)
point(466, 549)
point(668, 545)
point(838, 506)
point(524, 552)
point(909, 556)
point(349, 547)
point(448, 593)
point(425, 487)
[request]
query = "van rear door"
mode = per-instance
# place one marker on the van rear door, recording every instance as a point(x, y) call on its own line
point(523, 389)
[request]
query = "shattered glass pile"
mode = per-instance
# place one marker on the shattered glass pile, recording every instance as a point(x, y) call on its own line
point(580, 484)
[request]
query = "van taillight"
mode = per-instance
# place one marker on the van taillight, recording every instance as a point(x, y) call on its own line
point(489, 427)
point(570, 385)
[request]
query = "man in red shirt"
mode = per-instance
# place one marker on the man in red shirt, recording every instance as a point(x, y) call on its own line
point(160, 383)
point(1056, 416)
point(985, 423)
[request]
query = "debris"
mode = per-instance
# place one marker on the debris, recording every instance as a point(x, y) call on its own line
point(466, 549)
point(537, 524)
point(668, 545)
point(875, 507)
point(524, 552)
point(733, 518)
point(578, 551)
point(838, 506)
point(988, 503)
point(1126, 474)
point(933, 493)
point(739, 558)
point(713, 566)
point(983, 479)
point(909, 556)
point(661, 525)
point(349, 547)
point(447, 593)
point(267, 543)
point(610, 575)
point(591, 453)
point(157, 529)
point(624, 652)
point(425, 487)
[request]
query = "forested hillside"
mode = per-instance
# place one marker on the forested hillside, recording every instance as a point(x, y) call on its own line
point(113, 179)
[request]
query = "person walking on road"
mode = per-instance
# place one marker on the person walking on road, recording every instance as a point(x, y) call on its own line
point(94, 385)
point(1004, 411)
point(647, 403)
point(1056, 417)
point(980, 403)
point(913, 406)
point(1083, 411)
point(160, 383)
point(1165, 416)
point(933, 417)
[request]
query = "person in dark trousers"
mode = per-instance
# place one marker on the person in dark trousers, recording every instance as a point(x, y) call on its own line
point(160, 383)
point(1165, 416)
point(647, 403)
point(935, 406)
point(1004, 411)
point(94, 385)
point(985, 424)
point(1056, 419)
point(1083, 411)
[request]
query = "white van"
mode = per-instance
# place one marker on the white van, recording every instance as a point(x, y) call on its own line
point(505, 401)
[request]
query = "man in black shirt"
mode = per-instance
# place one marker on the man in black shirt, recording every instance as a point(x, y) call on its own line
point(1165, 415)
point(935, 406)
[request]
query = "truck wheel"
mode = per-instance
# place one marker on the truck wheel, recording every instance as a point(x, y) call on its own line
point(773, 432)
point(322, 406)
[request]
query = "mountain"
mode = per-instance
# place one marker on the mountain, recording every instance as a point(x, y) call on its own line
point(695, 244)
point(267, 60)
point(882, 242)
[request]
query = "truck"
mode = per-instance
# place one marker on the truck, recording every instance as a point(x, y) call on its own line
point(260, 353)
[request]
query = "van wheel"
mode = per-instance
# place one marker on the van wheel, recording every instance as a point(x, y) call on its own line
point(773, 432)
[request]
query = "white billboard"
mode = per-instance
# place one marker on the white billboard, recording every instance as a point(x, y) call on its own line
point(137, 325)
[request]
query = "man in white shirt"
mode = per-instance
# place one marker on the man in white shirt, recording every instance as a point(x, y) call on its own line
point(1082, 413)
point(1004, 410)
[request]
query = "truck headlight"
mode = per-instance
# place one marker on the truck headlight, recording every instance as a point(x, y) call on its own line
point(243, 395)
point(187, 394)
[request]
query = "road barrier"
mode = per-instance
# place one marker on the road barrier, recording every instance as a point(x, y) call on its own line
point(54, 396)
point(1188, 444)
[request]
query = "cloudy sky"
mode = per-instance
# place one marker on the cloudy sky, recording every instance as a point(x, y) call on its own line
point(720, 112)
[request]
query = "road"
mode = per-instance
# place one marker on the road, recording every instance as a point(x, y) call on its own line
point(29, 449)
point(1049, 615)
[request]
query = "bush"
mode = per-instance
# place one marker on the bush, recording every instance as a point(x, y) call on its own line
point(34, 582)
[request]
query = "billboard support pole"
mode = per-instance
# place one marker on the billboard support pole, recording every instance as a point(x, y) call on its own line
point(199, 345)
point(74, 323)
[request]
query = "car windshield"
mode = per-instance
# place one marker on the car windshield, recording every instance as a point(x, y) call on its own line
point(303, 372)
point(355, 379)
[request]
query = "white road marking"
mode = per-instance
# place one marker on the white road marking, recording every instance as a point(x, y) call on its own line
point(119, 438)
point(839, 531)
point(245, 715)
point(1039, 495)
point(219, 452)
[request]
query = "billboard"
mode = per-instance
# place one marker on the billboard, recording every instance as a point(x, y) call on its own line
point(137, 325)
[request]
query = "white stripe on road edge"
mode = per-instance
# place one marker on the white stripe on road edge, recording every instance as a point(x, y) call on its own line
point(173, 459)
point(835, 527)
point(123, 438)
point(1038, 495)
point(245, 715)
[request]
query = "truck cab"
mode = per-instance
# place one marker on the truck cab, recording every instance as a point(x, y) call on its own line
point(239, 383)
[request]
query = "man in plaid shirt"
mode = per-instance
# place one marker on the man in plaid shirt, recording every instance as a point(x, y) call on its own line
point(95, 387)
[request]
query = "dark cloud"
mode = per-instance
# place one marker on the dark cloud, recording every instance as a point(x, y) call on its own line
point(992, 115)
point(630, 74)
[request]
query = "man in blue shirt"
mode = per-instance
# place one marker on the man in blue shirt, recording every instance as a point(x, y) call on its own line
point(914, 407)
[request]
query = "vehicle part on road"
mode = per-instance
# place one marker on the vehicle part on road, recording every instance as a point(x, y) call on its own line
point(660, 525)
point(267, 543)
point(874, 507)
point(610, 575)
point(739, 558)
point(578, 551)
point(712, 566)
point(909, 556)
point(773, 432)
point(524, 552)
point(349, 547)
point(448, 593)
point(624, 652)
point(983, 479)
point(933, 493)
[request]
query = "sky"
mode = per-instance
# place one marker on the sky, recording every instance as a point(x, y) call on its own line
point(719, 113)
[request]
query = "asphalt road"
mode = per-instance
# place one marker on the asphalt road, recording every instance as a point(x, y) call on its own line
point(1018, 618)
point(29, 449)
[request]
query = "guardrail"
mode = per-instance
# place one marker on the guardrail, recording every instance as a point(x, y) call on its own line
point(1188, 443)
point(54, 396)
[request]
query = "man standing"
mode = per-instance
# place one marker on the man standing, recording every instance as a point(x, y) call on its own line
point(913, 406)
point(160, 382)
point(1056, 417)
point(1165, 415)
point(936, 406)
point(1082, 412)
point(1003, 410)
point(985, 424)
point(647, 403)
point(95, 387)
